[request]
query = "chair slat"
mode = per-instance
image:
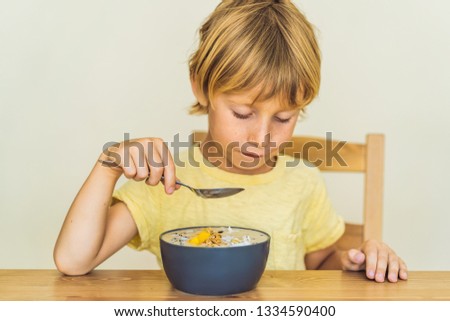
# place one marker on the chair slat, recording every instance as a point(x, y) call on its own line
point(373, 195)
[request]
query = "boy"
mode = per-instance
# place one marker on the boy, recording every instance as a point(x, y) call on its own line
point(256, 68)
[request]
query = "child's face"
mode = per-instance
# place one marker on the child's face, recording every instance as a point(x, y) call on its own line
point(250, 133)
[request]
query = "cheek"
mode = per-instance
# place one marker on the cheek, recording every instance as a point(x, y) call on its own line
point(282, 135)
point(221, 127)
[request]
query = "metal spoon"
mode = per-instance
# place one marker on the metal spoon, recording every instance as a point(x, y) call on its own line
point(212, 192)
point(202, 192)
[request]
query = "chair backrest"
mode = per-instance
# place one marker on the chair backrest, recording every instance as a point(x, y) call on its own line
point(340, 156)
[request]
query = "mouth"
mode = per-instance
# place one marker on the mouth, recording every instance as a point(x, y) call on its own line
point(252, 155)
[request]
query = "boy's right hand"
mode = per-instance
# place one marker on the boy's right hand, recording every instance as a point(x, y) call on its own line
point(142, 159)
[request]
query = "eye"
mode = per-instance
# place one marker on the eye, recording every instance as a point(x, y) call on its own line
point(241, 116)
point(283, 120)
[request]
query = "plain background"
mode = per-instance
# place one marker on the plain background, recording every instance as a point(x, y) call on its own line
point(75, 75)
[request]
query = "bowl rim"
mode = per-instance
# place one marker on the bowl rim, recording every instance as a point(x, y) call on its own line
point(212, 226)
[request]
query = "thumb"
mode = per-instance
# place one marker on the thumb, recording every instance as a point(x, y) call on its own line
point(353, 260)
point(356, 256)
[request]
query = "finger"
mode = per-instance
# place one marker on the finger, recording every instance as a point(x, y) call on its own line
point(351, 260)
point(129, 169)
point(393, 267)
point(371, 252)
point(169, 168)
point(140, 164)
point(403, 273)
point(356, 256)
point(348, 261)
point(155, 167)
point(382, 263)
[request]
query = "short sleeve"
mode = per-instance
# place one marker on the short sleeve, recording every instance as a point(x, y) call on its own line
point(143, 203)
point(321, 226)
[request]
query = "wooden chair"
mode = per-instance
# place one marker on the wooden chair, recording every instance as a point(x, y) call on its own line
point(366, 158)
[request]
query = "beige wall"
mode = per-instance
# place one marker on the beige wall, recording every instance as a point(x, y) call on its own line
point(77, 74)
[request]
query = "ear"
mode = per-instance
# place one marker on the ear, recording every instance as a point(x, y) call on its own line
point(198, 93)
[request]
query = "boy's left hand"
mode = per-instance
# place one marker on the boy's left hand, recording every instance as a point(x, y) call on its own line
point(376, 258)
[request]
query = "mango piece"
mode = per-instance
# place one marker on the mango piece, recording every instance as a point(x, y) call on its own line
point(199, 238)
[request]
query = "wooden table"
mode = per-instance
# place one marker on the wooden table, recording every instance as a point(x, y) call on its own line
point(152, 285)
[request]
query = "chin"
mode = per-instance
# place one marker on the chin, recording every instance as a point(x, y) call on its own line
point(250, 168)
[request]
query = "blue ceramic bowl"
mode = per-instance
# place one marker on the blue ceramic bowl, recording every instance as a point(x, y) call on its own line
point(214, 270)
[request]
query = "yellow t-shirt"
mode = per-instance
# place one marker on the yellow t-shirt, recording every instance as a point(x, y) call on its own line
point(289, 202)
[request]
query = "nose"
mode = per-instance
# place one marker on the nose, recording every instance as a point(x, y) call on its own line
point(259, 132)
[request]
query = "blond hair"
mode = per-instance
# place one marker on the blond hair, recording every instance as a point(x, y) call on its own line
point(246, 44)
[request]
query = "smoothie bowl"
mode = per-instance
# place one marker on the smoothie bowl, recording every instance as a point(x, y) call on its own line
point(214, 260)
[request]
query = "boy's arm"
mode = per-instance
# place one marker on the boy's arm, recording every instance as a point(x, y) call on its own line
point(92, 230)
point(376, 258)
point(325, 259)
